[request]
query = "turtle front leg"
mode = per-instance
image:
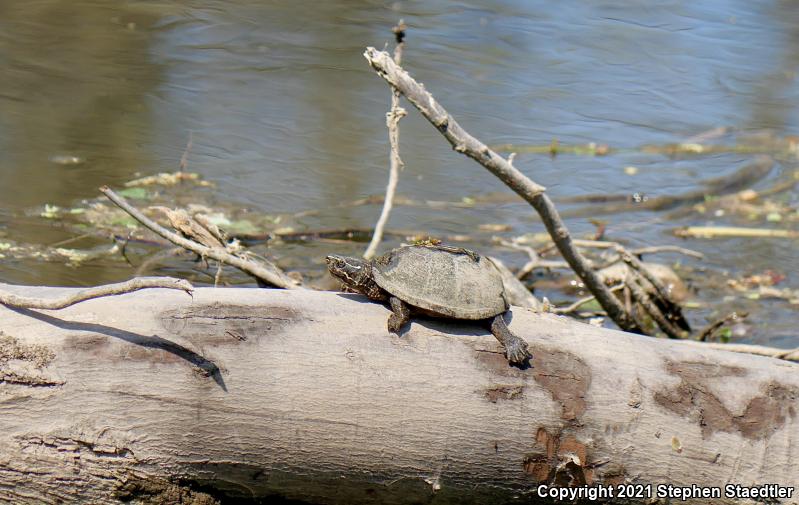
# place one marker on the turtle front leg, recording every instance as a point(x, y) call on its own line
point(401, 315)
point(515, 348)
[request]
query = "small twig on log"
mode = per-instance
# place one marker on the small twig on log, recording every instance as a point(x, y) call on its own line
point(533, 193)
point(135, 284)
point(393, 118)
point(760, 350)
point(264, 271)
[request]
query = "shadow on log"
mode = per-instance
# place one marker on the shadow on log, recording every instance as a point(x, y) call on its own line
point(238, 395)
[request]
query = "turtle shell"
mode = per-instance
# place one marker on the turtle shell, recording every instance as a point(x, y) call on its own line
point(441, 281)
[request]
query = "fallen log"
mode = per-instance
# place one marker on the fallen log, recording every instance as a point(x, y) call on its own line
point(236, 395)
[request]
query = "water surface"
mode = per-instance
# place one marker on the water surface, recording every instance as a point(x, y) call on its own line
point(286, 115)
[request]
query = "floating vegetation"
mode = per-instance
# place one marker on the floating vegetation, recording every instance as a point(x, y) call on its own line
point(136, 193)
point(759, 143)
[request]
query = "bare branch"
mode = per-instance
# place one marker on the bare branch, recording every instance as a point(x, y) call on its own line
point(669, 308)
point(265, 271)
point(642, 297)
point(533, 193)
point(461, 141)
point(135, 284)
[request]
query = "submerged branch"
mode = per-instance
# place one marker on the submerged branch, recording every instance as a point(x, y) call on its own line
point(695, 146)
point(741, 179)
point(733, 231)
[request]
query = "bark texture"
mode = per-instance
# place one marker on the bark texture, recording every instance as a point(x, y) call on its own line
point(241, 394)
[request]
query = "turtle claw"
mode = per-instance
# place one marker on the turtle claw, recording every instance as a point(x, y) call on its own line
point(517, 353)
point(515, 348)
point(394, 324)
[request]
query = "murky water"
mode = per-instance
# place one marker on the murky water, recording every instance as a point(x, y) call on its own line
point(286, 115)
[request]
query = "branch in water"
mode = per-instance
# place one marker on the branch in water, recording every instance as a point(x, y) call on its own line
point(264, 271)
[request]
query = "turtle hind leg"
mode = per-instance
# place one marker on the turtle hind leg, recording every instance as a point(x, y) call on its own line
point(401, 315)
point(515, 348)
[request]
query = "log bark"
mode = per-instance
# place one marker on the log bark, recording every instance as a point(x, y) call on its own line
point(235, 395)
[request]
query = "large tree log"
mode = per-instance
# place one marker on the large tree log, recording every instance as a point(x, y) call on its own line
point(157, 397)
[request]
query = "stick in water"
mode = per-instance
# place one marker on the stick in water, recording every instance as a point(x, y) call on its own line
point(392, 122)
point(265, 271)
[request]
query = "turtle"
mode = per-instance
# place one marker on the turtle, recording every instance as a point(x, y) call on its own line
point(434, 280)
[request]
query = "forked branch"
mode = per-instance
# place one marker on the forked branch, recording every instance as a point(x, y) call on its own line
point(533, 193)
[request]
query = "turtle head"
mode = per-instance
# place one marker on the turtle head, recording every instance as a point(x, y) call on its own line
point(355, 273)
